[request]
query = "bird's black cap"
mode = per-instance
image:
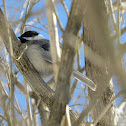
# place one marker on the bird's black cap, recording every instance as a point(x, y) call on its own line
point(26, 35)
point(29, 34)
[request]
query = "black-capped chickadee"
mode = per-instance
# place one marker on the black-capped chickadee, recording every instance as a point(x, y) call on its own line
point(39, 55)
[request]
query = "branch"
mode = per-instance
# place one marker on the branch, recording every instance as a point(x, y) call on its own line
point(3, 117)
point(10, 72)
point(28, 103)
point(65, 7)
point(112, 14)
point(96, 23)
point(122, 32)
point(53, 32)
point(66, 65)
point(41, 107)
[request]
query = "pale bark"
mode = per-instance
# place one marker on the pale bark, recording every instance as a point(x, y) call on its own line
point(99, 41)
point(67, 62)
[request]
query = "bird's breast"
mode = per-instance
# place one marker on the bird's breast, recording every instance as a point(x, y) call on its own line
point(35, 56)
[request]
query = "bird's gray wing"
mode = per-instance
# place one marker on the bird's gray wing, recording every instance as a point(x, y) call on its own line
point(46, 55)
point(44, 43)
point(44, 48)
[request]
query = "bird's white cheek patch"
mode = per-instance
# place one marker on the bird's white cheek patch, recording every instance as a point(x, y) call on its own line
point(38, 37)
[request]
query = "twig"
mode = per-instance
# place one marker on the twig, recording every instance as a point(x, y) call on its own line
point(122, 32)
point(28, 11)
point(37, 28)
point(59, 22)
point(26, 47)
point(53, 32)
point(18, 109)
point(3, 117)
point(118, 22)
point(10, 71)
point(78, 98)
point(74, 87)
point(34, 115)
point(21, 15)
point(86, 97)
point(42, 24)
point(77, 105)
point(68, 115)
point(17, 104)
point(78, 60)
point(65, 7)
point(90, 106)
point(112, 14)
point(28, 104)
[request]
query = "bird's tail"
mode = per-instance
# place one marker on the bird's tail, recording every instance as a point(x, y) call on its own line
point(84, 79)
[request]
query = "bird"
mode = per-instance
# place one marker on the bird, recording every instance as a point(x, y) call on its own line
point(38, 53)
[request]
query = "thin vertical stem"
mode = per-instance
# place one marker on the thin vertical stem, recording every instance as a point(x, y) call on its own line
point(10, 70)
point(28, 104)
point(118, 23)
